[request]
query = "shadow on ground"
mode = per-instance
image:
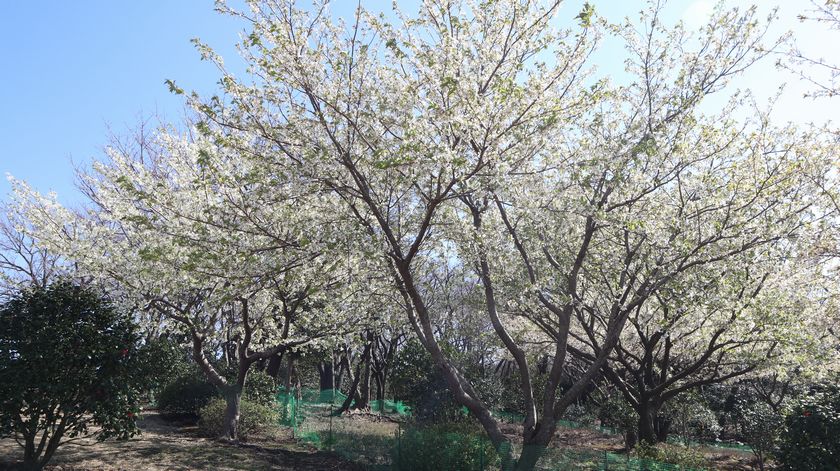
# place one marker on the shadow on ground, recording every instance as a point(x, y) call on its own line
point(165, 445)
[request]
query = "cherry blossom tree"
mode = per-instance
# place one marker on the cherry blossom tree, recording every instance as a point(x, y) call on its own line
point(199, 237)
point(471, 133)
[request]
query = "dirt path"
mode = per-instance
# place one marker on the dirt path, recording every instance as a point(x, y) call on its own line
point(166, 446)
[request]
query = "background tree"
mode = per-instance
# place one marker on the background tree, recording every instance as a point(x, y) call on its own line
point(234, 261)
point(733, 325)
point(22, 262)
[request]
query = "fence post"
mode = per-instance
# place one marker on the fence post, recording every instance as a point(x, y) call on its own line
point(294, 418)
point(606, 461)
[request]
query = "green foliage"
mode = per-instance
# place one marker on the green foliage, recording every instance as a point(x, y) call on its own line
point(164, 360)
point(585, 15)
point(672, 454)
point(68, 360)
point(253, 418)
point(448, 445)
point(417, 381)
point(581, 413)
point(260, 388)
point(810, 440)
point(615, 412)
point(760, 428)
point(186, 395)
point(691, 418)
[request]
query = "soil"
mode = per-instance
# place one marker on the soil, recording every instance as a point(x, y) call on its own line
point(165, 445)
point(176, 445)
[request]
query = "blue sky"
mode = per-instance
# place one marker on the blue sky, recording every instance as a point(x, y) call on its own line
point(74, 71)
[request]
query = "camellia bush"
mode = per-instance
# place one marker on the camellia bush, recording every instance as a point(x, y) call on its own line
point(812, 428)
point(69, 360)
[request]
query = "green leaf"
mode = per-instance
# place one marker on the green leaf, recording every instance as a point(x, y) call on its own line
point(174, 88)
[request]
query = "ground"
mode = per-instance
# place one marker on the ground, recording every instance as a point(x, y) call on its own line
point(166, 445)
point(169, 446)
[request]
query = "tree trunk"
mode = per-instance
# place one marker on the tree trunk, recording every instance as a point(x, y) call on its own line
point(631, 438)
point(290, 369)
point(355, 379)
point(662, 427)
point(533, 447)
point(230, 427)
point(274, 364)
point(326, 376)
point(363, 395)
point(646, 431)
point(530, 456)
point(30, 460)
point(380, 387)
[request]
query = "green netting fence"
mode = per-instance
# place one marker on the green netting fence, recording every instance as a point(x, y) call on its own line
point(385, 440)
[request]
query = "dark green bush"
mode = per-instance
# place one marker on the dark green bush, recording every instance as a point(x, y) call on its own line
point(417, 381)
point(260, 388)
point(454, 445)
point(812, 437)
point(165, 360)
point(186, 395)
point(69, 362)
point(253, 418)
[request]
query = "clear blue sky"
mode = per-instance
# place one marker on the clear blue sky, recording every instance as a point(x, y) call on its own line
point(72, 69)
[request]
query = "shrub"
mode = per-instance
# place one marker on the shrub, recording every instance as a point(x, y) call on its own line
point(253, 418)
point(260, 388)
point(68, 361)
point(417, 381)
point(165, 360)
point(760, 428)
point(448, 445)
point(810, 440)
point(692, 419)
point(615, 412)
point(672, 454)
point(186, 395)
point(581, 413)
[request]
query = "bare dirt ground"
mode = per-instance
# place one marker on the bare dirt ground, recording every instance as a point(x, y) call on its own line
point(582, 439)
point(168, 446)
point(165, 445)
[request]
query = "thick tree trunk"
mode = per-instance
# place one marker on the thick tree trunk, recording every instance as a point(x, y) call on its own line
point(30, 458)
point(355, 379)
point(363, 396)
point(534, 446)
point(274, 365)
point(326, 375)
point(631, 438)
point(230, 427)
point(646, 431)
point(530, 456)
point(662, 427)
point(652, 428)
